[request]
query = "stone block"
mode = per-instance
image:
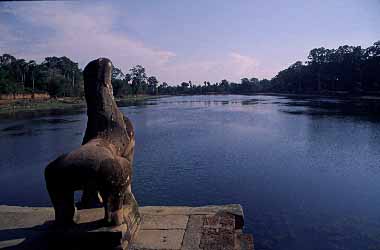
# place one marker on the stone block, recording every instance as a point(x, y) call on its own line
point(159, 239)
point(164, 222)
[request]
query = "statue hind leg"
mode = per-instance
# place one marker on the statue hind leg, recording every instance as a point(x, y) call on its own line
point(60, 194)
point(64, 207)
point(112, 180)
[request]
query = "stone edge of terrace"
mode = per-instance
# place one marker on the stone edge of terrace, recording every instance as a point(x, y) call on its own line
point(179, 225)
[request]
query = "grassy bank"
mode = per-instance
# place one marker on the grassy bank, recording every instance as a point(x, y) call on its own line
point(36, 105)
point(67, 103)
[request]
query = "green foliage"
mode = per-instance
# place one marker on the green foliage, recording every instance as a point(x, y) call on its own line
point(134, 83)
point(345, 70)
point(59, 76)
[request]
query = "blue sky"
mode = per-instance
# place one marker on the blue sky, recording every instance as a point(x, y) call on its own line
point(187, 40)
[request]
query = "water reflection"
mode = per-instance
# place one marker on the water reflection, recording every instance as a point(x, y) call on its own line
point(363, 108)
point(34, 127)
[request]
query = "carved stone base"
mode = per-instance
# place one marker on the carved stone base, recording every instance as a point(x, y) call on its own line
point(90, 232)
point(161, 228)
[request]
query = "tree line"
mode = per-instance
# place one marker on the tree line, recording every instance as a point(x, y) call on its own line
point(59, 76)
point(346, 70)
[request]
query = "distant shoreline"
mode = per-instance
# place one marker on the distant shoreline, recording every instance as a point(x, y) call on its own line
point(68, 105)
point(19, 108)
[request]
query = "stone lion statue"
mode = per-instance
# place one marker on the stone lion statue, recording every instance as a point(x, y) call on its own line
point(102, 166)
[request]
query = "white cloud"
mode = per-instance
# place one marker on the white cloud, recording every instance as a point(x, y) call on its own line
point(233, 66)
point(84, 32)
point(246, 65)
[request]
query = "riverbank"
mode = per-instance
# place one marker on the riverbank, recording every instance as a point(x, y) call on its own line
point(57, 105)
point(69, 105)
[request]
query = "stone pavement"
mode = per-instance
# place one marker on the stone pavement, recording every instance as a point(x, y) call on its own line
point(176, 228)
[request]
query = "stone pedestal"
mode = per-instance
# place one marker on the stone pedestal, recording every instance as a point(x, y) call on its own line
point(192, 228)
point(90, 232)
point(175, 228)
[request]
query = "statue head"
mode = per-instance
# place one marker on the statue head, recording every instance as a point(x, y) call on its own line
point(98, 84)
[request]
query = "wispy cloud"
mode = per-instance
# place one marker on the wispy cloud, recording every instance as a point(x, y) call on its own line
point(84, 32)
point(232, 67)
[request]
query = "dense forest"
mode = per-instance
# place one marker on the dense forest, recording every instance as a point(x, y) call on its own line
point(57, 76)
point(347, 70)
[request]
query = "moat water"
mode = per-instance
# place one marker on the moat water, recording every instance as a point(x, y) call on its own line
point(306, 171)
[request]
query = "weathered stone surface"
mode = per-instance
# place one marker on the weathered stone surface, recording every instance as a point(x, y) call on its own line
point(218, 232)
point(103, 164)
point(209, 227)
point(160, 228)
point(158, 239)
point(162, 222)
point(192, 238)
point(235, 209)
point(38, 231)
point(23, 217)
point(88, 236)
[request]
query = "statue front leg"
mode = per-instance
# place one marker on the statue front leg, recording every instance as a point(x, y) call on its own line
point(131, 211)
point(113, 209)
point(90, 198)
point(112, 187)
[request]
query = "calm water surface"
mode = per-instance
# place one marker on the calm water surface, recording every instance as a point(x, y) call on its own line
point(306, 171)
